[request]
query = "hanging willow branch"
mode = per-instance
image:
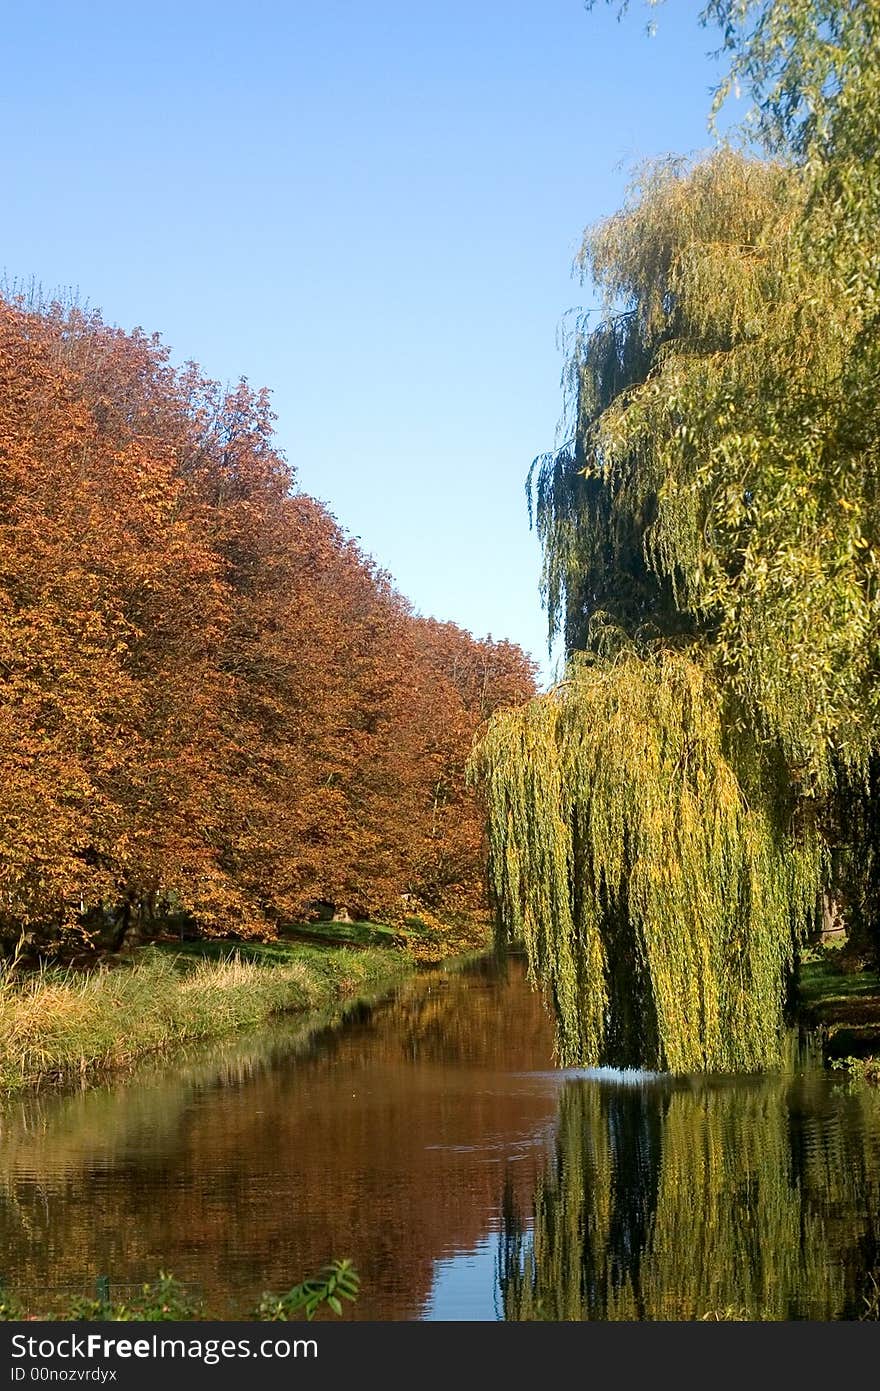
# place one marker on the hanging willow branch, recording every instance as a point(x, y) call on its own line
point(711, 539)
point(658, 905)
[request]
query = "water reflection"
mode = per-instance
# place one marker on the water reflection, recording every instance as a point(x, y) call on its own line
point(428, 1137)
point(383, 1137)
point(750, 1198)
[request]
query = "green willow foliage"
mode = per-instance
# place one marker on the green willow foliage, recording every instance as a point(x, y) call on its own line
point(655, 901)
point(661, 828)
point(716, 485)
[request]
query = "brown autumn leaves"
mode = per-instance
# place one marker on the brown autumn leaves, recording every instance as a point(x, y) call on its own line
point(210, 700)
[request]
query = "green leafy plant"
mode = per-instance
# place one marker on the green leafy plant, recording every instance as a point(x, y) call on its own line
point(167, 1300)
point(864, 1069)
point(162, 1300)
point(336, 1282)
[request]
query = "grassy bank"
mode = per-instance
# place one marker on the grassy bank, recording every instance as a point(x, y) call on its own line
point(56, 1026)
point(845, 1004)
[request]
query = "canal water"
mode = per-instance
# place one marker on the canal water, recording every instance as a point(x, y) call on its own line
point(429, 1138)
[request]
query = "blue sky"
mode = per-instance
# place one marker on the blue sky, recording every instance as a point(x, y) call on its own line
point(370, 208)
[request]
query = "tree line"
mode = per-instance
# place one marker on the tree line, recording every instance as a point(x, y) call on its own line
point(212, 703)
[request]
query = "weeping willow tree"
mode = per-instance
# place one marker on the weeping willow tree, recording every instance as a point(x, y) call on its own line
point(648, 841)
point(660, 824)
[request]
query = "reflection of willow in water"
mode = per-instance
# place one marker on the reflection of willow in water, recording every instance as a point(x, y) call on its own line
point(753, 1200)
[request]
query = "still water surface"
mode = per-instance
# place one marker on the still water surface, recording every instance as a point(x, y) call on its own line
point(429, 1138)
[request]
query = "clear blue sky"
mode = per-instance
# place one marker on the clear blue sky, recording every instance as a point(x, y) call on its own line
point(370, 208)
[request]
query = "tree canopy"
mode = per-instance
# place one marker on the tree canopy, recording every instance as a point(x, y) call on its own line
point(711, 544)
point(211, 702)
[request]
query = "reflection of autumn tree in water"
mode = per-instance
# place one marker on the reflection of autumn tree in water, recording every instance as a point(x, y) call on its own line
point(659, 1203)
point(438, 1022)
point(383, 1141)
point(388, 1140)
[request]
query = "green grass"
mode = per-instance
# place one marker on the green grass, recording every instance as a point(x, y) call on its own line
point(829, 993)
point(60, 1025)
point(846, 1005)
point(824, 986)
point(289, 944)
point(429, 942)
point(356, 933)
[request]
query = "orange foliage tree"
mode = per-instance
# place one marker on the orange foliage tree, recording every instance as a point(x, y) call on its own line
point(210, 701)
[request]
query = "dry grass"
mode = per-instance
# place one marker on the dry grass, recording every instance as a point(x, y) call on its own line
point(58, 1025)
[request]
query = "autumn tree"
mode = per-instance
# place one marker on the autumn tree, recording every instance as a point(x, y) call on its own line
point(212, 703)
point(109, 606)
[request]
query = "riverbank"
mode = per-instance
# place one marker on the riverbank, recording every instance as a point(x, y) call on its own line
point(845, 1006)
point(57, 1026)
